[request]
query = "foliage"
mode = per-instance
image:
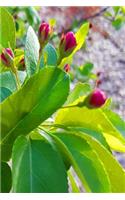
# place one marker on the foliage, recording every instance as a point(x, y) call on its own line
point(46, 129)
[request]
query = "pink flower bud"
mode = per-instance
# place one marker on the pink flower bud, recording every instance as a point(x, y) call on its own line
point(97, 98)
point(44, 33)
point(67, 44)
point(67, 67)
point(6, 57)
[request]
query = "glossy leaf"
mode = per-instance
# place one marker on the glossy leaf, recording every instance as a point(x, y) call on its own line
point(115, 172)
point(86, 163)
point(96, 135)
point(49, 56)
point(93, 118)
point(119, 124)
point(5, 178)
point(37, 100)
point(7, 29)
point(31, 52)
point(37, 167)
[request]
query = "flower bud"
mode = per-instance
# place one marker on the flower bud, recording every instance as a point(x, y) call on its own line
point(97, 98)
point(67, 44)
point(7, 57)
point(67, 67)
point(44, 33)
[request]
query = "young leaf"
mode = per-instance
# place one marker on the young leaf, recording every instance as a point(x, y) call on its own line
point(5, 178)
point(5, 92)
point(37, 167)
point(7, 80)
point(37, 100)
point(79, 90)
point(7, 29)
point(49, 56)
point(31, 52)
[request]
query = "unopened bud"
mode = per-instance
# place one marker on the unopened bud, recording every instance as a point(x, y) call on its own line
point(7, 57)
point(97, 98)
point(44, 33)
point(67, 67)
point(67, 44)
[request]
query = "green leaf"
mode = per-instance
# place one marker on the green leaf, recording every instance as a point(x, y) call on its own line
point(97, 135)
point(5, 178)
point(115, 172)
point(118, 22)
point(86, 163)
point(27, 108)
point(90, 118)
point(79, 90)
point(7, 80)
point(4, 93)
point(119, 124)
point(49, 56)
point(123, 9)
point(80, 39)
point(31, 52)
point(37, 167)
point(7, 29)
point(86, 69)
point(73, 184)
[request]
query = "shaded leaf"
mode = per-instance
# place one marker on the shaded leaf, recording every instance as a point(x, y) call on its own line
point(37, 167)
point(86, 163)
point(6, 178)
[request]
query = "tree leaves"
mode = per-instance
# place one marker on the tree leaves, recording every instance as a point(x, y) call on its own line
point(7, 29)
point(31, 52)
point(37, 167)
point(37, 100)
point(115, 173)
point(95, 119)
point(85, 162)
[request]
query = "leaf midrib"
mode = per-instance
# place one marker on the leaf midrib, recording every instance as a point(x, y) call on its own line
point(47, 94)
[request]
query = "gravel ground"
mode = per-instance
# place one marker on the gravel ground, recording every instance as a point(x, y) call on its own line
point(108, 56)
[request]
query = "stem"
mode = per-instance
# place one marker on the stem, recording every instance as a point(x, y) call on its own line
point(53, 125)
point(38, 64)
point(59, 61)
point(72, 106)
point(14, 70)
